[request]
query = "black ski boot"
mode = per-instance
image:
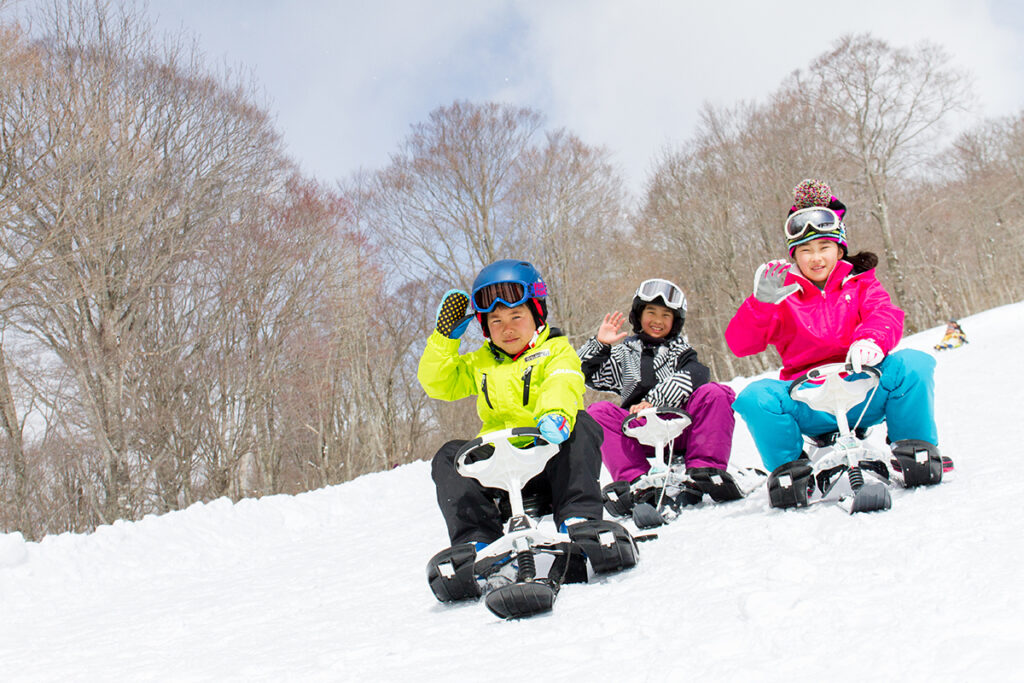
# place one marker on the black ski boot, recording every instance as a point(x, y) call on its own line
point(569, 565)
point(618, 498)
point(451, 575)
point(607, 544)
point(919, 461)
point(790, 483)
point(717, 483)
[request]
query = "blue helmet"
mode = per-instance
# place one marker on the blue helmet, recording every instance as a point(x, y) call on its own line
point(510, 282)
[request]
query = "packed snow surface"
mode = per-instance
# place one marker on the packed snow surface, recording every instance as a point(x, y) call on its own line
point(330, 585)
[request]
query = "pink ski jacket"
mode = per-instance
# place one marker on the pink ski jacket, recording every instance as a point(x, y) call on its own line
point(812, 327)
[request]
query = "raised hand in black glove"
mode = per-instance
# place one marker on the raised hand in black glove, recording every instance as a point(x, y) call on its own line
point(452, 320)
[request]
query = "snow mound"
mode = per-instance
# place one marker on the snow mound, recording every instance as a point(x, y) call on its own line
point(13, 550)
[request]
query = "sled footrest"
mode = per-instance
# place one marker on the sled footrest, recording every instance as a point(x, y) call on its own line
point(607, 544)
point(451, 575)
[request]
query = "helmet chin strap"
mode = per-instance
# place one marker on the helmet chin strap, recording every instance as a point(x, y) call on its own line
point(533, 342)
point(536, 334)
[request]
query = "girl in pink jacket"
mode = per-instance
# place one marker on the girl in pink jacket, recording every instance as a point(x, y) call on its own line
point(829, 309)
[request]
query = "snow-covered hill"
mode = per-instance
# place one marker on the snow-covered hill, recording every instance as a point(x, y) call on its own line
point(330, 585)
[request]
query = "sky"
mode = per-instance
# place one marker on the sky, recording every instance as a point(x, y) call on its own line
point(347, 79)
point(330, 585)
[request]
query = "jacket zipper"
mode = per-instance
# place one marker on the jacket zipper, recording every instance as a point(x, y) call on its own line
point(526, 385)
point(483, 389)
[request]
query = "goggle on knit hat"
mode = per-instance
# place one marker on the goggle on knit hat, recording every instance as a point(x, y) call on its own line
point(815, 214)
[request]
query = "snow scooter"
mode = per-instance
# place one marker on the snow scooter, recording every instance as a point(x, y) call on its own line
point(657, 496)
point(462, 573)
point(846, 469)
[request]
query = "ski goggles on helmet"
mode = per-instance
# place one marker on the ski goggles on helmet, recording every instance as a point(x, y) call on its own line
point(814, 219)
point(649, 290)
point(511, 294)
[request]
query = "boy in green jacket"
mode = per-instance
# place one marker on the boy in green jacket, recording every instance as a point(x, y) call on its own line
point(527, 375)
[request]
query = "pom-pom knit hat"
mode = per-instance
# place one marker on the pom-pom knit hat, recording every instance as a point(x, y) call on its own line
point(811, 193)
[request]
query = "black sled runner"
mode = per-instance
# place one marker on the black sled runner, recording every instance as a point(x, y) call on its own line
point(668, 486)
point(519, 575)
point(842, 467)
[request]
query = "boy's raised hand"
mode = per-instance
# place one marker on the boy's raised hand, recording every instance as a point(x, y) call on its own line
point(769, 279)
point(609, 333)
point(452, 320)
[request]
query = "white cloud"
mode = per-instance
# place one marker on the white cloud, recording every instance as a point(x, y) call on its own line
point(348, 78)
point(634, 76)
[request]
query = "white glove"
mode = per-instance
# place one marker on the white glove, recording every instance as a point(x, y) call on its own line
point(864, 352)
point(768, 282)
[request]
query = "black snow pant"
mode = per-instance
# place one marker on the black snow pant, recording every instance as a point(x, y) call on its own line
point(570, 477)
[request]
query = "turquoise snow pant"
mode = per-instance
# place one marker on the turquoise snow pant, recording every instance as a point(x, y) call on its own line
point(905, 400)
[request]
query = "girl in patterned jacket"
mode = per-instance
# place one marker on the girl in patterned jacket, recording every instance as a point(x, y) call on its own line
point(829, 309)
point(657, 367)
point(526, 375)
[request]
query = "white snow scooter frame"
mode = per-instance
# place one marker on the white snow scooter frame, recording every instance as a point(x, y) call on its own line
point(847, 471)
point(666, 481)
point(456, 573)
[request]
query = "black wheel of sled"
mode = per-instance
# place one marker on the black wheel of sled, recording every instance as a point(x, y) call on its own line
point(645, 516)
point(871, 497)
point(519, 600)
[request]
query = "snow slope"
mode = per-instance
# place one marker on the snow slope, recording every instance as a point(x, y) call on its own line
point(330, 585)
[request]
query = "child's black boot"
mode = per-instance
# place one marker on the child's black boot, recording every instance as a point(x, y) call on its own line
point(790, 484)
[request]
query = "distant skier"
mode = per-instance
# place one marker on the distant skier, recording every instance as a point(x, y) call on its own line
point(527, 374)
point(953, 338)
point(656, 366)
point(829, 309)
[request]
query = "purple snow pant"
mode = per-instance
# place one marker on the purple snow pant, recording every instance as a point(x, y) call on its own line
point(706, 442)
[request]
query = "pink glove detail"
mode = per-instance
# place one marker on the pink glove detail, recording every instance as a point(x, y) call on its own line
point(769, 279)
point(864, 352)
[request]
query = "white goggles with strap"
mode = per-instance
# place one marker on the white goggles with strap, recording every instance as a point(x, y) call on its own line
point(816, 219)
point(649, 290)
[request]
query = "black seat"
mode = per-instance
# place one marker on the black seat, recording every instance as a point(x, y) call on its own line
point(536, 501)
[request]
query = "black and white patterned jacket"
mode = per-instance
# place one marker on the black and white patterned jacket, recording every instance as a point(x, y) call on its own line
point(618, 368)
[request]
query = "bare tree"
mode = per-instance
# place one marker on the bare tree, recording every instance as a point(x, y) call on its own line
point(884, 108)
point(967, 244)
point(573, 206)
point(128, 154)
point(294, 280)
point(477, 183)
point(444, 204)
point(19, 66)
point(714, 210)
point(473, 185)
